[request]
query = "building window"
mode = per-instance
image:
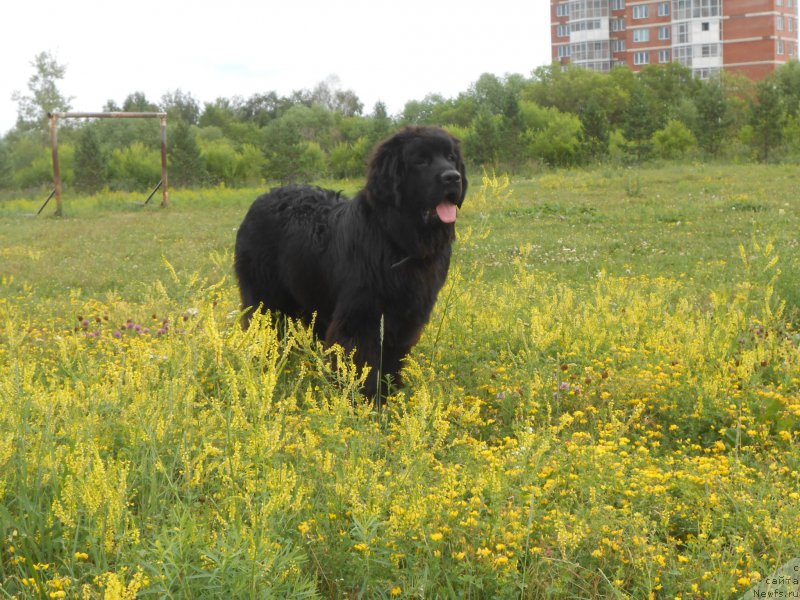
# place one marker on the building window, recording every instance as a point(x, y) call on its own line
point(588, 9)
point(641, 35)
point(585, 25)
point(641, 11)
point(562, 31)
point(563, 51)
point(683, 55)
point(663, 56)
point(781, 47)
point(695, 9)
point(618, 46)
point(706, 26)
point(617, 24)
point(681, 33)
point(617, 4)
point(779, 23)
point(664, 32)
point(663, 9)
point(641, 58)
point(705, 8)
point(562, 10)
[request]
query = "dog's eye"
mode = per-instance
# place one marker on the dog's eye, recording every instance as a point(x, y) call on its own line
point(421, 161)
point(451, 157)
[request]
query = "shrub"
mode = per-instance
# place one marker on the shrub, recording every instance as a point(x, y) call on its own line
point(303, 161)
point(674, 141)
point(40, 171)
point(349, 160)
point(553, 137)
point(221, 161)
point(135, 166)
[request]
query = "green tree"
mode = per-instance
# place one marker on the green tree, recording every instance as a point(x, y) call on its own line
point(574, 89)
point(221, 161)
point(421, 112)
point(553, 137)
point(181, 105)
point(263, 108)
point(297, 162)
point(640, 121)
point(135, 166)
point(511, 132)
point(713, 116)
point(329, 95)
point(767, 118)
point(250, 164)
point(671, 85)
point(482, 143)
point(185, 161)
point(380, 123)
point(787, 78)
point(6, 167)
point(596, 129)
point(138, 102)
point(90, 161)
point(675, 140)
point(44, 96)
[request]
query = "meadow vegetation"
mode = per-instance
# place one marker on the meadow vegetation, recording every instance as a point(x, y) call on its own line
point(515, 123)
point(606, 403)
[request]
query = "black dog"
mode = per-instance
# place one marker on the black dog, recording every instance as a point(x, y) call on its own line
point(382, 255)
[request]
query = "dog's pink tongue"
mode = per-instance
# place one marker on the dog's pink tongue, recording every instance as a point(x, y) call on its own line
point(447, 212)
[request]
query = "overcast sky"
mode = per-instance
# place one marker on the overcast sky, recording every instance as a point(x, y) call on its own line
point(392, 51)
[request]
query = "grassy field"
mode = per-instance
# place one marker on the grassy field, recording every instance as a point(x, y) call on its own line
point(606, 404)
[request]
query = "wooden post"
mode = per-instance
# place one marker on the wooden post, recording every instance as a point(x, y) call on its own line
point(106, 115)
point(56, 165)
point(164, 182)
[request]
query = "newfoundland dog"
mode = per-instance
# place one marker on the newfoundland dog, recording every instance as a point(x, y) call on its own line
point(381, 257)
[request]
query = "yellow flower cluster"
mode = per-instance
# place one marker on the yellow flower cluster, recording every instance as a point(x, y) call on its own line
point(629, 435)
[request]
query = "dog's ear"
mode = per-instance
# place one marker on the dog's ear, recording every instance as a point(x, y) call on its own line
point(385, 173)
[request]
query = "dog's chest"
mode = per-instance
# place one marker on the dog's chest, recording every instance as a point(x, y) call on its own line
point(410, 289)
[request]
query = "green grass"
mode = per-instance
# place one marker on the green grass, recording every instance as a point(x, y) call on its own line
point(606, 403)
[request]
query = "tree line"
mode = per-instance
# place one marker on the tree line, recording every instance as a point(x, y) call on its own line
point(554, 117)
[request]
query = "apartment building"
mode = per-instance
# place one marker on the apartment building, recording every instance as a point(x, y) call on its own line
point(749, 37)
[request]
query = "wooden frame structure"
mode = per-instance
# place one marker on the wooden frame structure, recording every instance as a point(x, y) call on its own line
point(55, 116)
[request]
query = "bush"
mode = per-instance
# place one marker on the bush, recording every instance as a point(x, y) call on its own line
point(303, 161)
point(220, 160)
point(552, 136)
point(674, 141)
point(249, 165)
point(135, 166)
point(349, 160)
point(40, 171)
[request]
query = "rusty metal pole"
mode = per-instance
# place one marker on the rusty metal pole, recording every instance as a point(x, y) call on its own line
point(164, 181)
point(56, 165)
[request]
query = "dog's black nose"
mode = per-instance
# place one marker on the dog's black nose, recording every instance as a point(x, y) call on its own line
point(451, 176)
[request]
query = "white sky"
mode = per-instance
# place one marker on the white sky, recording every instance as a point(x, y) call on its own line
point(392, 51)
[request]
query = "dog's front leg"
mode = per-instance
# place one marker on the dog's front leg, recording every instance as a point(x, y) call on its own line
point(359, 330)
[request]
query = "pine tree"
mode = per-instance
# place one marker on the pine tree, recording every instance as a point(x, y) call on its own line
point(185, 162)
point(90, 161)
point(767, 118)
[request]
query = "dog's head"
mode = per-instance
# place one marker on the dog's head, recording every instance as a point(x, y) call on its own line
point(420, 172)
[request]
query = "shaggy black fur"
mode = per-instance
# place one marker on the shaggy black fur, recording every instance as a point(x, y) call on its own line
point(303, 250)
